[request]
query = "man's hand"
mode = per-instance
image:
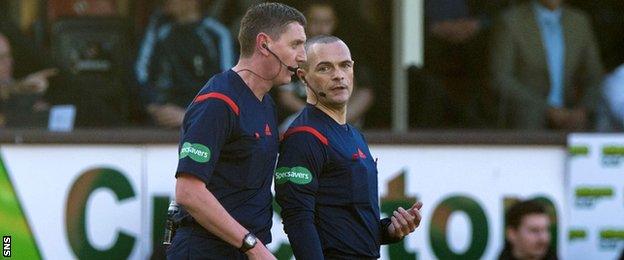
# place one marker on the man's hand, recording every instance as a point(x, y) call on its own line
point(35, 83)
point(567, 119)
point(577, 119)
point(404, 221)
point(259, 252)
point(167, 115)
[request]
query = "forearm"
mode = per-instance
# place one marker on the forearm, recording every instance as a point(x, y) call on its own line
point(302, 234)
point(209, 213)
point(359, 104)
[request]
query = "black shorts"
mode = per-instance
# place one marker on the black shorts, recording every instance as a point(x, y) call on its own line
point(188, 244)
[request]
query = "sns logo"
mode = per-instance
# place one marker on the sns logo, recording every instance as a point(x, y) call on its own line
point(6, 246)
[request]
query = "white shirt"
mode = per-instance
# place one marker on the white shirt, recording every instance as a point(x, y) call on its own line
point(613, 93)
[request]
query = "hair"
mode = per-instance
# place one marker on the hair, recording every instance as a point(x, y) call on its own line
point(319, 39)
point(269, 18)
point(518, 211)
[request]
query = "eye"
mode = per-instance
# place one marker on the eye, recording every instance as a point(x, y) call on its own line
point(323, 69)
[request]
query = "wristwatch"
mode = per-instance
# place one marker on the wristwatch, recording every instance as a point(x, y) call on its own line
point(249, 241)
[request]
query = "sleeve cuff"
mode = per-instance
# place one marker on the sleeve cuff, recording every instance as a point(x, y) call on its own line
point(385, 234)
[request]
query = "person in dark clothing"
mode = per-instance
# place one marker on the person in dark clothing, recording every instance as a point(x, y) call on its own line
point(326, 177)
point(229, 142)
point(527, 232)
point(181, 50)
point(22, 102)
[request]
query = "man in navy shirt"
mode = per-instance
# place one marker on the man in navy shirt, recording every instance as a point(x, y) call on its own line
point(229, 143)
point(326, 178)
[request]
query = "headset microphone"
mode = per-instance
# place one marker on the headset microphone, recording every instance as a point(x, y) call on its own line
point(291, 69)
point(320, 93)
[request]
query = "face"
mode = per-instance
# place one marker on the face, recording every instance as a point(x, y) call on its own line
point(6, 59)
point(330, 70)
point(552, 4)
point(289, 48)
point(532, 238)
point(179, 8)
point(321, 20)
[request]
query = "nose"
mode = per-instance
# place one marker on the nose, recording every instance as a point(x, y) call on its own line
point(339, 74)
point(301, 56)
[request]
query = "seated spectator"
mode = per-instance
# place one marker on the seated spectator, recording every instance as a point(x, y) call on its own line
point(181, 50)
point(456, 33)
point(20, 99)
point(546, 80)
point(527, 232)
point(611, 117)
point(322, 20)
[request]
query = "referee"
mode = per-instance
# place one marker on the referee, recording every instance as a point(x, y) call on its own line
point(229, 143)
point(326, 178)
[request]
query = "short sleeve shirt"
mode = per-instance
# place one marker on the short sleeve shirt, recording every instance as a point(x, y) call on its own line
point(228, 141)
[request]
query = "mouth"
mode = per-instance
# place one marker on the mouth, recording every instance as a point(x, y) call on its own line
point(338, 88)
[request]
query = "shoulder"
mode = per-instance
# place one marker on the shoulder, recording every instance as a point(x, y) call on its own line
point(516, 13)
point(305, 133)
point(576, 15)
point(307, 128)
point(214, 25)
point(218, 91)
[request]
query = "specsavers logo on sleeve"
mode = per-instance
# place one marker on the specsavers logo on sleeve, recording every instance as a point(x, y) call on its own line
point(296, 175)
point(197, 152)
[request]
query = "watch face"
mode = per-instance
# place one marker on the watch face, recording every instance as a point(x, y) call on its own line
point(250, 240)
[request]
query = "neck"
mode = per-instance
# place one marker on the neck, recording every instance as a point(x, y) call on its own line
point(519, 255)
point(551, 6)
point(338, 113)
point(257, 85)
point(189, 17)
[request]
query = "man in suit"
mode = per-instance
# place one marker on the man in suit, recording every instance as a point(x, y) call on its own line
point(546, 65)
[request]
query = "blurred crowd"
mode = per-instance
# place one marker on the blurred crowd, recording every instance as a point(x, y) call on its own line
point(504, 64)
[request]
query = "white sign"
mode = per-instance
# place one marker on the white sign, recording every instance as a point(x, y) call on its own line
point(595, 192)
point(82, 201)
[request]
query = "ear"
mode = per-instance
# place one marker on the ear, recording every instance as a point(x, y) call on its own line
point(511, 234)
point(301, 74)
point(262, 40)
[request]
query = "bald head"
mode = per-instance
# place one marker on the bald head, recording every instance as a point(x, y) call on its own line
point(320, 39)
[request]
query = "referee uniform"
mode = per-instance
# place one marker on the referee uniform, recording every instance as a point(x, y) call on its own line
point(228, 141)
point(326, 184)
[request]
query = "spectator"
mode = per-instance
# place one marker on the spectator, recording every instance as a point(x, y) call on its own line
point(181, 50)
point(527, 234)
point(21, 101)
point(546, 65)
point(608, 23)
point(611, 116)
point(455, 50)
point(322, 20)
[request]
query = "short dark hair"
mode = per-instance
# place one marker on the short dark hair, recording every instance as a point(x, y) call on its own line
point(518, 211)
point(269, 18)
point(324, 39)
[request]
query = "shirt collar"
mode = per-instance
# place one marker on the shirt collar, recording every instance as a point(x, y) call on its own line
point(546, 14)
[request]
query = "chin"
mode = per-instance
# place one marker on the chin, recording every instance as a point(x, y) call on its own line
point(284, 80)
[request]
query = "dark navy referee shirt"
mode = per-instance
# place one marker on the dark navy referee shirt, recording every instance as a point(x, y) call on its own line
point(326, 184)
point(229, 140)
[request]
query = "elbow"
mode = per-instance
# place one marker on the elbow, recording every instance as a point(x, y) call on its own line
point(184, 191)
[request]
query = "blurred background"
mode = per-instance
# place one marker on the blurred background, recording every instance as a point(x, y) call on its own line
point(447, 64)
point(470, 105)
